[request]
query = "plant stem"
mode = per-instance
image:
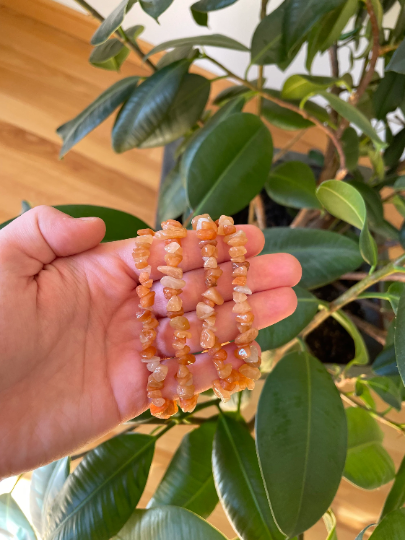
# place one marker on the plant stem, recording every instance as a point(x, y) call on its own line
point(378, 416)
point(358, 276)
point(376, 333)
point(302, 112)
point(301, 536)
point(283, 151)
point(16, 482)
point(119, 35)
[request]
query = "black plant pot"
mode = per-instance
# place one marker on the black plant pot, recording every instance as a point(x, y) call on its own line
point(330, 342)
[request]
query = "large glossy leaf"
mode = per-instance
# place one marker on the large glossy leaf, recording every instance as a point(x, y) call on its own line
point(239, 483)
point(385, 363)
point(395, 150)
point(284, 331)
point(389, 94)
point(232, 107)
point(100, 495)
point(343, 201)
point(212, 40)
point(175, 54)
point(350, 143)
point(155, 8)
point(146, 108)
point(391, 527)
point(172, 197)
point(387, 390)
point(324, 255)
point(299, 86)
point(109, 55)
point(167, 523)
point(13, 523)
point(188, 481)
point(397, 62)
point(211, 5)
point(46, 482)
point(293, 184)
point(112, 22)
point(354, 116)
point(368, 464)
point(184, 112)
point(396, 496)
point(267, 41)
point(230, 167)
point(372, 199)
point(301, 441)
point(93, 115)
point(400, 336)
point(302, 15)
point(119, 225)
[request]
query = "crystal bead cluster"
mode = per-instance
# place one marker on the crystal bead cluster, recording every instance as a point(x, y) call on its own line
point(229, 379)
point(172, 232)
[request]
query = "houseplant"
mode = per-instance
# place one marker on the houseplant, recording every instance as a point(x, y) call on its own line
point(305, 441)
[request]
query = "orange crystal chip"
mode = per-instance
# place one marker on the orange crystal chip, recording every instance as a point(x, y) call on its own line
point(250, 372)
point(213, 295)
point(247, 337)
point(148, 300)
point(173, 259)
point(188, 404)
point(142, 232)
point(170, 223)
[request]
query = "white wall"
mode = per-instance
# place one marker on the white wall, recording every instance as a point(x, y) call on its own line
point(237, 21)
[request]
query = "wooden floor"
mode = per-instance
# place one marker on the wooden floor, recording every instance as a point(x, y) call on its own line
point(45, 80)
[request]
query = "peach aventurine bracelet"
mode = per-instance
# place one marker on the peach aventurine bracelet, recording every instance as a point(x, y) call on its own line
point(230, 380)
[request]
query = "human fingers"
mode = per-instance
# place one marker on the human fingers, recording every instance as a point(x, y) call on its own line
point(268, 307)
point(266, 272)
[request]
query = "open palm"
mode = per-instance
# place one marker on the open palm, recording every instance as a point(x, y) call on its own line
point(69, 340)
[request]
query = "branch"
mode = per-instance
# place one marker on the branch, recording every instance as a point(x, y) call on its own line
point(302, 112)
point(378, 416)
point(358, 276)
point(121, 37)
point(366, 79)
point(376, 333)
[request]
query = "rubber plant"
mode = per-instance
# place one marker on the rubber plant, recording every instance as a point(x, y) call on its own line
point(279, 483)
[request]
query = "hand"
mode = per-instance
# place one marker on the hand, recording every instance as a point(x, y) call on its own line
point(70, 369)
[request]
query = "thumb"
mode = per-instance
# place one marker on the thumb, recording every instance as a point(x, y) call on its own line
point(41, 235)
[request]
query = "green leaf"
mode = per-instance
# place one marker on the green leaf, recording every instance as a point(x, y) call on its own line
point(146, 108)
point(183, 113)
point(167, 522)
point(338, 20)
point(393, 153)
point(354, 116)
point(394, 293)
point(389, 94)
point(102, 492)
point(301, 441)
point(172, 197)
point(387, 390)
point(133, 32)
point(293, 184)
point(400, 336)
point(360, 536)
point(155, 8)
point(199, 17)
point(232, 107)
point(397, 62)
point(300, 86)
point(109, 55)
point(267, 42)
point(211, 5)
point(386, 362)
point(329, 519)
point(350, 143)
point(230, 167)
point(391, 527)
point(75, 130)
point(324, 255)
point(396, 496)
point(363, 391)
point(344, 202)
point(368, 464)
point(230, 93)
point(239, 483)
point(188, 481)
point(112, 22)
point(13, 521)
point(284, 331)
point(361, 354)
point(372, 199)
point(46, 483)
point(174, 55)
point(212, 40)
point(302, 15)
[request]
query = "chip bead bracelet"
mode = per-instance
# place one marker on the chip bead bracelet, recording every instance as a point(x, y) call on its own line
point(172, 232)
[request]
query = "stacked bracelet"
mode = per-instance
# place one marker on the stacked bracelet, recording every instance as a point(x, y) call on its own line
point(172, 232)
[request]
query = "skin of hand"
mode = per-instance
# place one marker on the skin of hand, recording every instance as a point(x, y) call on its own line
point(70, 369)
